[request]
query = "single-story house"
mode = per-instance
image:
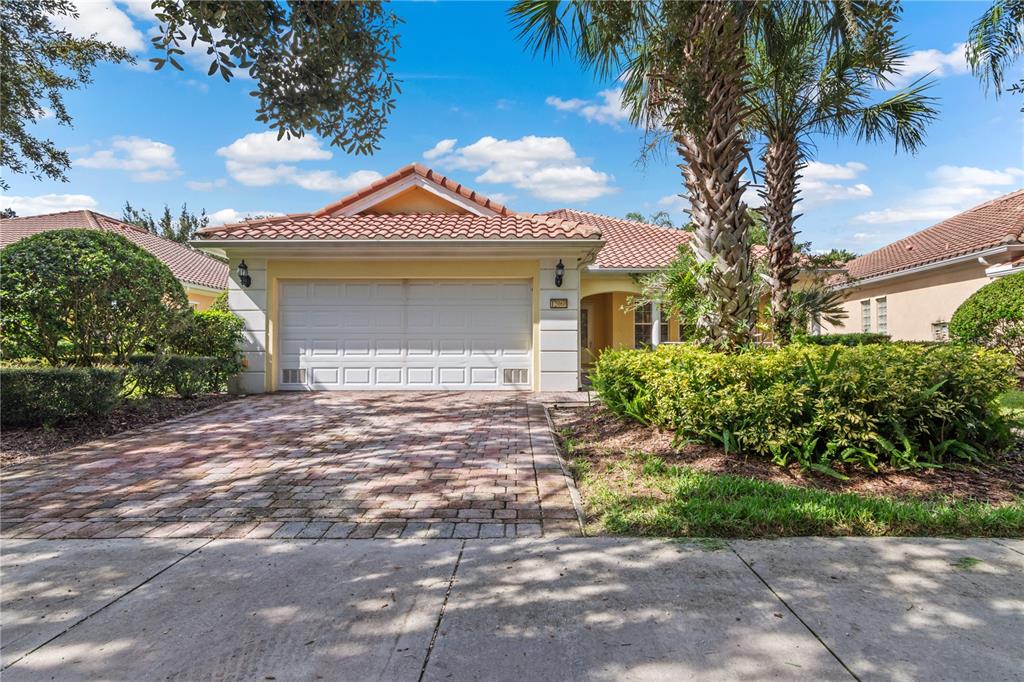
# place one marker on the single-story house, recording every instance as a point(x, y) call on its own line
point(418, 282)
point(911, 288)
point(202, 276)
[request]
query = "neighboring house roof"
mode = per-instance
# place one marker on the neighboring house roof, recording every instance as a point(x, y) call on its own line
point(629, 244)
point(404, 226)
point(425, 173)
point(995, 223)
point(187, 264)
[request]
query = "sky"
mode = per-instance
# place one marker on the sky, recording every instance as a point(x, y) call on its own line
point(534, 133)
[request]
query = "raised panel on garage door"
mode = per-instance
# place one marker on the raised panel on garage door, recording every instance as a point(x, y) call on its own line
point(445, 334)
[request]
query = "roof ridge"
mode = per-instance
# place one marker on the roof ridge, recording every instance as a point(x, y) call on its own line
point(425, 172)
point(621, 220)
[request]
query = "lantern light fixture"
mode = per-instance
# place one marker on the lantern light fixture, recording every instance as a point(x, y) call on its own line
point(559, 273)
point(244, 278)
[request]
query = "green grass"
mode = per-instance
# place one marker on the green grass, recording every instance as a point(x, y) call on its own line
point(1012, 403)
point(642, 495)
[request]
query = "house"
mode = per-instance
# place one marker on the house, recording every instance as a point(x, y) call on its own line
point(911, 288)
point(202, 277)
point(418, 282)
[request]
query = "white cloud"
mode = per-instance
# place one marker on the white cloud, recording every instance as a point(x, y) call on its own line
point(104, 19)
point(546, 167)
point(818, 186)
point(47, 203)
point(204, 185)
point(954, 189)
point(230, 215)
point(255, 160)
point(266, 148)
point(607, 109)
point(674, 202)
point(934, 62)
point(440, 149)
point(147, 160)
point(501, 197)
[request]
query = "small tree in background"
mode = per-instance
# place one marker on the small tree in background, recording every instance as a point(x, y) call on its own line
point(994, 317)
point(78, 297)
point(182, 229)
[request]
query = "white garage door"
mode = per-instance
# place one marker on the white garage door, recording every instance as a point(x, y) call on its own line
point(405, 335)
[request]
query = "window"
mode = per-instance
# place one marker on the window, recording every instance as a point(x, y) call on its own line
point(642, 320)
point(940, 331)
point(881, 316)
point(585, 328)
point(865, 316)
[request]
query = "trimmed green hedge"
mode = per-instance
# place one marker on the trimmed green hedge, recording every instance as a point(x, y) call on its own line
point(33, 396)
point(852, 339)
point(186, 376)
point(903, 404)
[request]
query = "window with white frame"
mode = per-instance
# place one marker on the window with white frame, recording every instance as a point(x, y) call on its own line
point(865, 316)
point(881, 316)
point(643, 317)
point(940, 331)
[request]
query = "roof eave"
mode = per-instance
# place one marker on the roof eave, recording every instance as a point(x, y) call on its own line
point(933, 265)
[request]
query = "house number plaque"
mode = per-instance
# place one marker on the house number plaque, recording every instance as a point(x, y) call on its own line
point(559, 303)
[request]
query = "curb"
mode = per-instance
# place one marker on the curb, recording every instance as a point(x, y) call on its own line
point(574, 492)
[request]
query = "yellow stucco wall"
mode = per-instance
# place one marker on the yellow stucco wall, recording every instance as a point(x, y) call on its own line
point(284, 270)
point(415, 200)
point(200, 299)
point(914, 302)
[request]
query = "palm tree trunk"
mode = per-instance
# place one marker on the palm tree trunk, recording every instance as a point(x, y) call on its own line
point(714, 148)
point(781, 165)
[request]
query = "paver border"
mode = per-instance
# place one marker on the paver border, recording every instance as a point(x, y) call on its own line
point(570, 480)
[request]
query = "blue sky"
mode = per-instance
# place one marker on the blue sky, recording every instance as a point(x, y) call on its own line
point(535, 133)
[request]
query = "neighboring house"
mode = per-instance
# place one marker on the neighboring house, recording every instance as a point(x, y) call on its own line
point(202, 276)
point(418, 282)
point(911, 288)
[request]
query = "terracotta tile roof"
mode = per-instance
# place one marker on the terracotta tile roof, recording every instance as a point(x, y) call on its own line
point(629, 244)
point(404, 226)
point(187, 264)
point(996, 222)
point(424, 172)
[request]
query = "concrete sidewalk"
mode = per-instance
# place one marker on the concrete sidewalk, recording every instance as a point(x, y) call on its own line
point(570, 608)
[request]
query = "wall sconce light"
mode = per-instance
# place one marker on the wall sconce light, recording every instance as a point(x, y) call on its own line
point(559, 273)
point(243, 275)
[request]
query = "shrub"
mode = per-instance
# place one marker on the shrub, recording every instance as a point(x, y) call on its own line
point(75, 296)
point(186, 376)
point(220, 302)
point(216, 334)
point(903, 404)
point(48, 395)
point(853, 339)
point(994, 317)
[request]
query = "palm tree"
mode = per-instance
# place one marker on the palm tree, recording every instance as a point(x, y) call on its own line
point(805, 83)
point(685, 69)
point(996, 40)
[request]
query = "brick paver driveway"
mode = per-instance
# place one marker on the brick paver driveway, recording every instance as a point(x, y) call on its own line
point(310, 465)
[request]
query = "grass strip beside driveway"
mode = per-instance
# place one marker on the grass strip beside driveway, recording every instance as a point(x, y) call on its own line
point(642, 495)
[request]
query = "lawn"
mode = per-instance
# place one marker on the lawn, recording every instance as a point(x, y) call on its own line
point(646, 496)
point(1012, 403)
point(633, 482)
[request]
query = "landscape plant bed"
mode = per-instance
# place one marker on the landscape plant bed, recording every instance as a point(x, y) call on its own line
point(21, 444)
point(633, 481)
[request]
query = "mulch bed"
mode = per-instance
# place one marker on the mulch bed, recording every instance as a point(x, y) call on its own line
point(604, 438)
point(18, 445)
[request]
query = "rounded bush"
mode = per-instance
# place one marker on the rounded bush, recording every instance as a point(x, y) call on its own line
point(82, 297)
point(994, 317)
